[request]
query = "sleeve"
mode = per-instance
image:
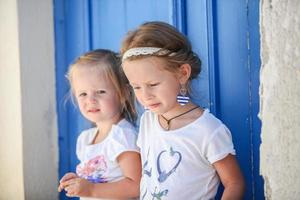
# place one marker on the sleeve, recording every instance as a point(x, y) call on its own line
point(124, 140)
point(220, 145)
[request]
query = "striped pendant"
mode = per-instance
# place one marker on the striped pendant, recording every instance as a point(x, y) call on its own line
point(182, 100)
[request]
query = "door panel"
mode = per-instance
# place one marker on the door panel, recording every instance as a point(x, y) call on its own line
point(112, 19)
point(233, 78)
point(236, 71)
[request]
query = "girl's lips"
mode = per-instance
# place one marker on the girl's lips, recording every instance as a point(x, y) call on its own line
point(94, 110)
point(152, 106)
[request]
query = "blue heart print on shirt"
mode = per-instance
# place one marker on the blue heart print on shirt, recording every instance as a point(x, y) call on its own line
point(159, 195)
point(164, 158)
point(145, 171)
point(167, 163)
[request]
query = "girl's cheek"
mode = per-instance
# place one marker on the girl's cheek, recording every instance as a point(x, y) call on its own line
point(139, 100)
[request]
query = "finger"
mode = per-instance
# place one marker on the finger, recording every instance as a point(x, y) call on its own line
point(59, 189)
point(69, 195)
point(68, 183)
point(68, 176)
point(70, 191)
point(67, 189)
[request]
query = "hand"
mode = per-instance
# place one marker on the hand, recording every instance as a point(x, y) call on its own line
point(66, 177)
point(76, 186)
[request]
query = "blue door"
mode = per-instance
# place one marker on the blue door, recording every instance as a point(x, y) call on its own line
point(225, 34)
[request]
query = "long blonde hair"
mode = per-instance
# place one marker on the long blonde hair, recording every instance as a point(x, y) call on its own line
point(110, 64)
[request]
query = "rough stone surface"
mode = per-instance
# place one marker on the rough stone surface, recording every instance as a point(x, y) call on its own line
point(280, 98)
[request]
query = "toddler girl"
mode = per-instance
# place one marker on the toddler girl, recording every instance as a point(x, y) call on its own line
point(109, 158)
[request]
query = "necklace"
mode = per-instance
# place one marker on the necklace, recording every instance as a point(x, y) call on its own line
point(169, 120)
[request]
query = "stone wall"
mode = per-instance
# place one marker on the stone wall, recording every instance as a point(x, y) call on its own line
point(280, 98)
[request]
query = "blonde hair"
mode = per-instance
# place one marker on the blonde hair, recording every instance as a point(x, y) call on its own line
point(162, 35)
point(109, 63)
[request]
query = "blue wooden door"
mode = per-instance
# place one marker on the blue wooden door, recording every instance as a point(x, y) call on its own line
point(225, 34)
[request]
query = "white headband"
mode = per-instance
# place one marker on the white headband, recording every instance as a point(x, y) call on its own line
point(144, 51)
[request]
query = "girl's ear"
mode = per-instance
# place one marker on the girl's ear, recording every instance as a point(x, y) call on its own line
point(184, 73)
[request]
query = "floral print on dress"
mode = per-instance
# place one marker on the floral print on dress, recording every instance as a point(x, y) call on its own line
point(93, 170)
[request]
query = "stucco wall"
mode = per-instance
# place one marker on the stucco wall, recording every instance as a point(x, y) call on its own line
point(11, 157)
point(280, 98)
point(38, 99)
point(28, 139)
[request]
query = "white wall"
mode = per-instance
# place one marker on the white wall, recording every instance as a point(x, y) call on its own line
point(280, 98)
point(28, 144)
point(11, 165)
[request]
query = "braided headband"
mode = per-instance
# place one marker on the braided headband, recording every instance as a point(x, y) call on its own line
point(144, 51)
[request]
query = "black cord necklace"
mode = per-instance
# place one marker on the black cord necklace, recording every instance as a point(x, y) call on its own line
point(169, 120)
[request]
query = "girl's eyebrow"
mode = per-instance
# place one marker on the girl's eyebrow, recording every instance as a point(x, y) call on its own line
point(78, 91)
point(146, 82)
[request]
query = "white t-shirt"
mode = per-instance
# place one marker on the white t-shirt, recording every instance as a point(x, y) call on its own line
point(177, 164)
point(98, 162)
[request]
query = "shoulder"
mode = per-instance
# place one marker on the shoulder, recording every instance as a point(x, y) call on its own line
point(84, 139)
point(208, 124)
point(147, 114)
point(123, 138)
point(148, 117)
point(87, 135)
point(124, 130)
point(125, 125)
point(214, 130)
point(209, 121)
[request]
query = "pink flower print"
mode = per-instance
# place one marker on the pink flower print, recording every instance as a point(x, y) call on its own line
point(93, 170)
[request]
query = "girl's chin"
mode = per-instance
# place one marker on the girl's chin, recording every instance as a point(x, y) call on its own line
point(157, 111)
point(163, 110)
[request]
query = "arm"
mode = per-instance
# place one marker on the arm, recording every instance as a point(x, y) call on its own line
point(231, 178)
point(127, 187)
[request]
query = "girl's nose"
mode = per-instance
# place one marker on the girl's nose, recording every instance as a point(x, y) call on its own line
point(92, 99)
point(147, 95)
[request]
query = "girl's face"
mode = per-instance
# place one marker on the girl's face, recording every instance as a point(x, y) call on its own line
point(96, 96)
point(155, 87)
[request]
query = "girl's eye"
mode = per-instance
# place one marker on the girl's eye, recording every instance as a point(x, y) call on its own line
point(101, 92)
point(154, 84)
point(136, 87)
point(83, 94)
